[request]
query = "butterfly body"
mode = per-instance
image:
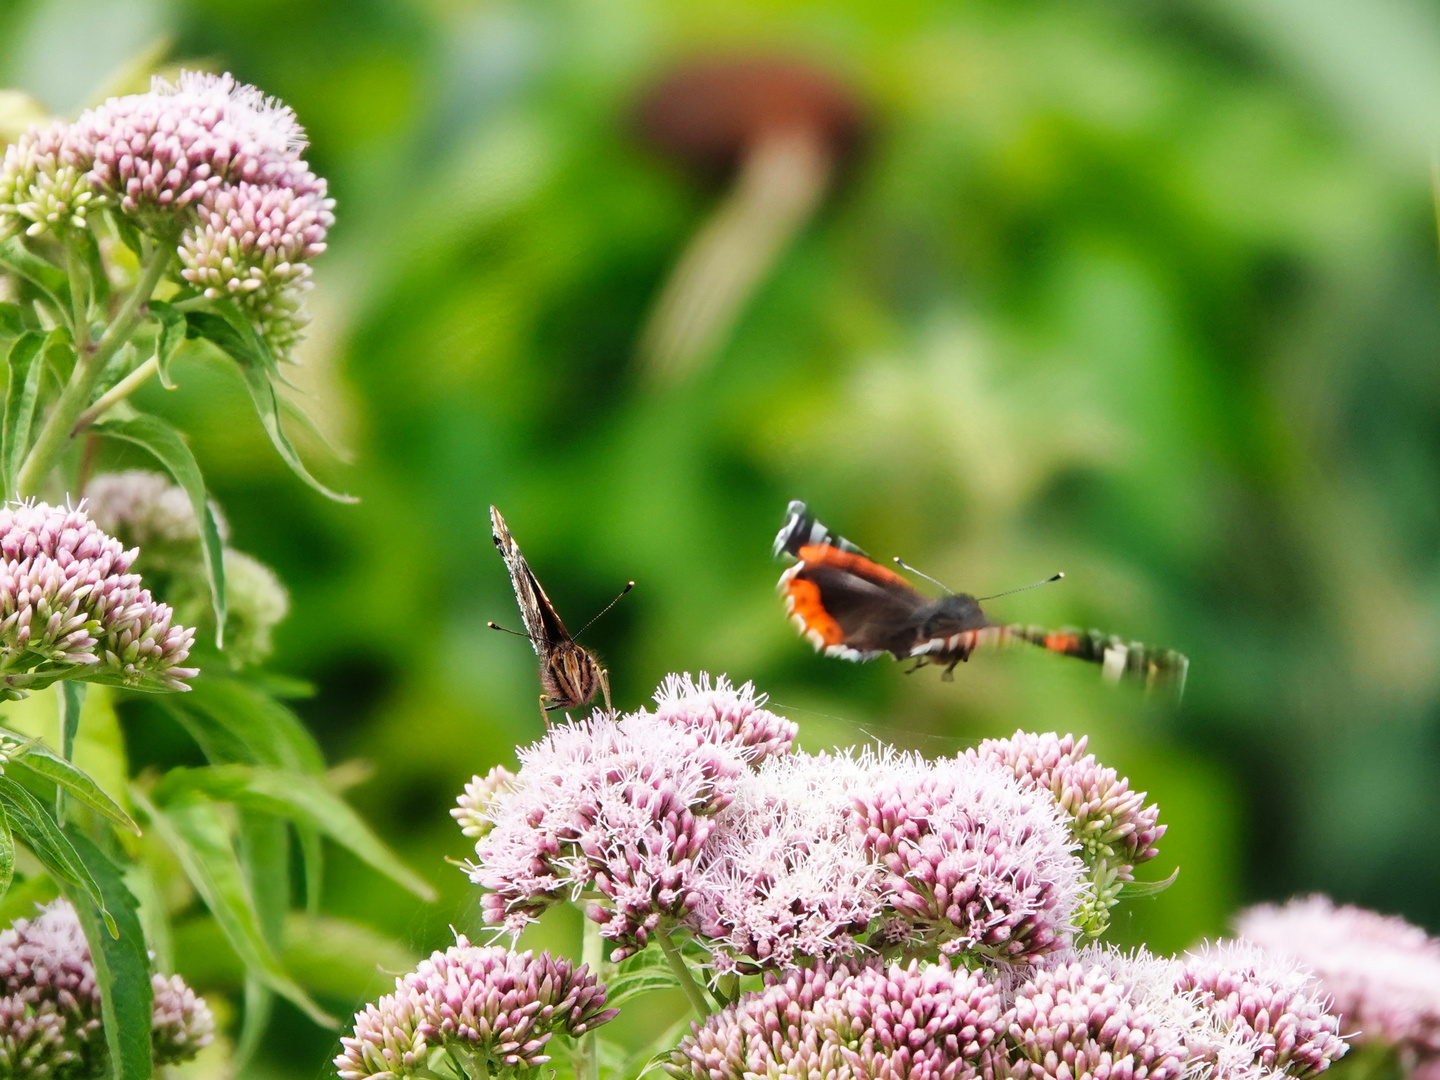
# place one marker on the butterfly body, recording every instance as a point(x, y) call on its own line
point(570, 675)
point(851, 607)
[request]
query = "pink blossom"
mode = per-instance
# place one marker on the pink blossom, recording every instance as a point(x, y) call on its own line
point(1382, 973)
point(730, 716)
point(69, 608)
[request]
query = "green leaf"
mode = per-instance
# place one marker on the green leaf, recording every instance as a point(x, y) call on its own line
point(169, 447)
point(265, 856)
point(312, 855)
point(95, 265)
point(228, 329)
point(39, 760)
point(43, 836)
point(640, 974)
point(168, 338)
point(1131, 889)
point(122, 963)
point(300, 797)
point(7, 854)
point(237, 722)
point(195, 831)
point(12, 320)
point(25, 368)
point(49, 279)
point(72, 699)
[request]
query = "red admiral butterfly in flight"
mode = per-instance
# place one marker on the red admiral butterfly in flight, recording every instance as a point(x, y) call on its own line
point(851, 607)
point(569, 674)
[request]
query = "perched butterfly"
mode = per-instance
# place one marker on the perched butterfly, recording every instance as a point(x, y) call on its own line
point(569, 674)
point(851, 607)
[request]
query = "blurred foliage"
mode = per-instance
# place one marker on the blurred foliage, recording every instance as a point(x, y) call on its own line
point(1142, 291)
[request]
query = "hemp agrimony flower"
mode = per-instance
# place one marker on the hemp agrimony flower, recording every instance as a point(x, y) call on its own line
point(1116, 831)
point(69, 608)
point(494, 1011)
point(50, 1017)
point(1382, 973)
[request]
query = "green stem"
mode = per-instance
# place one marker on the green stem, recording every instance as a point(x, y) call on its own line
point(592, 954)
point(79, 305)
point(89, 364)
point(682, 972)
point(119, 392)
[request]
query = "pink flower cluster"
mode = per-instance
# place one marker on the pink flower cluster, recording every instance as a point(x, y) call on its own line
point(208, 164)
point(702, 818)
point(50, 1022)
point(1100, 1015)
point(1381, 972)
point(485, 1003)
point(69, 608)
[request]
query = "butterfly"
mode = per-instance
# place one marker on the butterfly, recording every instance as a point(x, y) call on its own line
point(569, 674)
point(849, 606)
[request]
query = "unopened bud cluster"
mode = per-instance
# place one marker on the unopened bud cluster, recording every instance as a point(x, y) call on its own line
point(50, 1014)
point(209, 167)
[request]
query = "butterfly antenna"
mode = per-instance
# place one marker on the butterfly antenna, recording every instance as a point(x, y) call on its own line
point(505, 630)
point(628, 586)
point(920, 573)
point(1033, 585)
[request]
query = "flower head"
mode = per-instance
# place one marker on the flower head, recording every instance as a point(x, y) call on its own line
point(1085, 1020)
point(472, 805)
point(500, 1005)
point(255, 603)
point(1382, 973)
point(39, 191)
point(50, 1015)
point(145, 509)
point(730, 716)
point(69, 608)
point(784, 875)
point(621, 806)
point(973, 861)
point(1274, 1007)
point(915, 1022)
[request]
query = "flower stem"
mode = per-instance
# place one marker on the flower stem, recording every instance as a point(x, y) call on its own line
point(682, 972)
point(89, 363)
point(119, 392)
point(79, 302)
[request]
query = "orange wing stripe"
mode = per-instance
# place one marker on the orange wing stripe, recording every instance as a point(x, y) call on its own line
point(805, 603)
point(825, 555)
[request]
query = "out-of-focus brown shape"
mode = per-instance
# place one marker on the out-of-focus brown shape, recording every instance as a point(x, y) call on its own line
point(782, 130)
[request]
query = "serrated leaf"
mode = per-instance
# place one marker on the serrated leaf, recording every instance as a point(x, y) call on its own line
point(1131, 889)
point(302, 798)
point(122, 963)
point(195, 831)
point(7, 854)
point(237, 722)
point(228, 330)
point(168, 446)
point(168, 338)
point(43, 836)
point(39, 760)
point(25, 368)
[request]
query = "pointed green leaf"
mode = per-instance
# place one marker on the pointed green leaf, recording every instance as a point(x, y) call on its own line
point(122, 963)
point(169, 447)
point(312, 854)
point(168, 338)
point(235, 721)
point(7, 854)
point(72, 700)
point(265, 856)
point(37, 759)
point(226, 328)
point(25, 368)
point(43, 836)
point(49, 279)
point(302, 798)
point(1131, 889)
point(195, 831)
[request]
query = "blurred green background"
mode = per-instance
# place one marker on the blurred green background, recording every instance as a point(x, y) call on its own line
point(1144, 290)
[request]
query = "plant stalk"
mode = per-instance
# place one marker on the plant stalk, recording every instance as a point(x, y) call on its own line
point(677, 964)
point(79, 302)
point(88, 365)
point(119, 392)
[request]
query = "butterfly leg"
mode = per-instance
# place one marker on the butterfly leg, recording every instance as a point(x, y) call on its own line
point(545, 710)
point(948, 675)
point(919, 663)
point(605, 689)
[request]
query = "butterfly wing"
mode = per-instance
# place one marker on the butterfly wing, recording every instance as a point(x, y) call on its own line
point(848, 606)
point(542, 623)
